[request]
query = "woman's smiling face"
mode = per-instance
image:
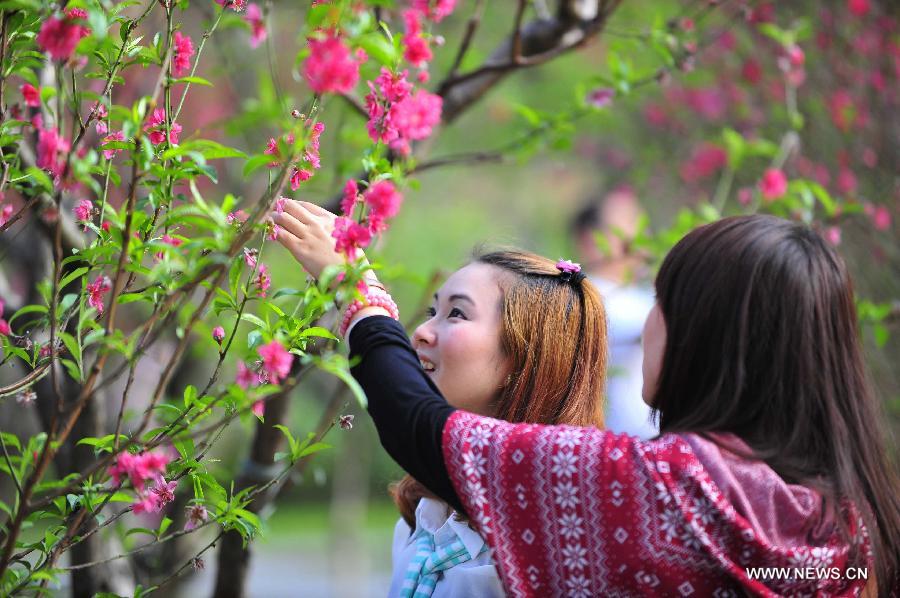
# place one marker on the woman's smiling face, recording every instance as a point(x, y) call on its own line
point(459, 345)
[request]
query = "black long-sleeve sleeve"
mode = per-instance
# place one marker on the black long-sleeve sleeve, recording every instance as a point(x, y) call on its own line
point(407, 408)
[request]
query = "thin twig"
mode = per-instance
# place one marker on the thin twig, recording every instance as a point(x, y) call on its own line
point(468, 36)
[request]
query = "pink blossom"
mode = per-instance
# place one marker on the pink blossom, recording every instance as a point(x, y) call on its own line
point(773, 184)
point(96, 290)
point(272, 150)
point(383, 201)
point(164, 492)
point(5, 213)
point(168, 240)
point(138, 468)
point(881, 218)
point(416, 115)
point(795, 55)
point(745, 196)
point(276, 361)
point(250, 257)
point(59, 36)
point(4, 325)
point(435, 10)
point(274, 231)
point(100, 113)
point(600, 97)
point(218, 334)
point(833, 235)
point(196, 516)
point(393, 87)
point(238, 216)
point(257, 26)
point(705, 161)
point(263, 282)
point(751, 71)
point(279, 205)
point(31, 94)
point(416, 50)
point(298, 176)
point(843, 110)
point(49, 149)
point(117, 136)
point(146, 503)
point(350, 236)
point(709, 103)
point(156, 128)
point(83, 210)
point(184, 50)
point(859, 8)
point(331, 66)
point(258, 409)
point(245, 377)
point(846, 181)
point(235, 5)
point(312, 156)
point(351, 196)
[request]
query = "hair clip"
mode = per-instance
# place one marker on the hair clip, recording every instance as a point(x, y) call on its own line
point(569, 271)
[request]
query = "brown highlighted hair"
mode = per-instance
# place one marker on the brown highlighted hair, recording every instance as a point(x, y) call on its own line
point(762, 341)
point(554, 334)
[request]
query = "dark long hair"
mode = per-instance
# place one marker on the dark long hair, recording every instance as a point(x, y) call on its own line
point(554, 334)
point(762, 341)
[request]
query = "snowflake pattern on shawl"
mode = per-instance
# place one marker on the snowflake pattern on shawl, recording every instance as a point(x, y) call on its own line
point(581, 512)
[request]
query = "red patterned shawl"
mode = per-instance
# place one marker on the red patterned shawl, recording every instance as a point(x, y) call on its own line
point(574, 511)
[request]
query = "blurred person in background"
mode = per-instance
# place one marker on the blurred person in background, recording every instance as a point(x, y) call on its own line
point(616, 271)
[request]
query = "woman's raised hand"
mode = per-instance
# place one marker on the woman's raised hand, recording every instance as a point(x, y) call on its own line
point(306, 234)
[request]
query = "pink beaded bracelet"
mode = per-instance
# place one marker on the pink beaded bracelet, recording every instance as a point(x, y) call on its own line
point(374, 297)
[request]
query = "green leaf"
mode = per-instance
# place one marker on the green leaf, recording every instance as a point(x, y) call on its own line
point(40, 178)
point(72, 368)
point(11, 440)
point(318, 331)
point(71, 345)
point(196, 80)
point(210, 150)
point(185, 447)
point(140, 530)
point(255, 163)
point(377, 46)
point(72, 276)
point(313, 448)
point(163, 526)
point(253, 319)
point(27, 310)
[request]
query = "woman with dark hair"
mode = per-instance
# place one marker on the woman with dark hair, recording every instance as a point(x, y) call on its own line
point(511, 335)
point(770, 475)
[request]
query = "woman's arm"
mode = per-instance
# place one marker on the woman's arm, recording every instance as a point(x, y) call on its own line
point(408, 410)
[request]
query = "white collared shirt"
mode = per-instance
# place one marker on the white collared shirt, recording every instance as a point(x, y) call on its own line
point(474, 578)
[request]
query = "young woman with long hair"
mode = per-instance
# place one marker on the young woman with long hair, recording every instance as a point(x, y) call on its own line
point(511, 336)
point(771, 474)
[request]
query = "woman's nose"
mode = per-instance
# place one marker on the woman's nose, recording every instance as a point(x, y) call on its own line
point(424, 334)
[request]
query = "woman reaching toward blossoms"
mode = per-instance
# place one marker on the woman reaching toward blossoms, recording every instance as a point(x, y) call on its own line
point(770, 475)
point(511, 335)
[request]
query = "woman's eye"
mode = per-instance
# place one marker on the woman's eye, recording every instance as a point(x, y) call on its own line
point(430, 312)
point(455, 312)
